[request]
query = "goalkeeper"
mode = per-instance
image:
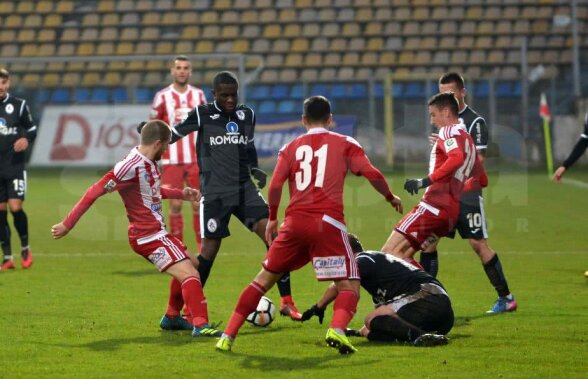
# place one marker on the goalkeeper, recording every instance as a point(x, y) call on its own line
point(411, 305)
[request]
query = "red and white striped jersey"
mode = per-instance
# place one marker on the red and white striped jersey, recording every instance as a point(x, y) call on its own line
point(137, 180)
point(172, 107)
point(452, 162)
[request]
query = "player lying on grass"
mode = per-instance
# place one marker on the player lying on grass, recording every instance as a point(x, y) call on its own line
point(137, 180)
point(411, 305)
point(314, 165)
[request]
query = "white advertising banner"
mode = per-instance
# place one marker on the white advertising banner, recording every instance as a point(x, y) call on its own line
point(92, 135)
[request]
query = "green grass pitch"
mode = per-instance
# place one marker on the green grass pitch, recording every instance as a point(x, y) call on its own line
point(90, 307)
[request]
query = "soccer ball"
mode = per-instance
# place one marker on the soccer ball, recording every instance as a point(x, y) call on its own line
point(264, 314)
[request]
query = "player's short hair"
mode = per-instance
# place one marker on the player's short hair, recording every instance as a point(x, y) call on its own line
point(4, 74)
point(155, 130)
point(452, 77)
point(356, 246)
point(181, 58)
point(224, 77)
point(445, 100)
point(317, 109)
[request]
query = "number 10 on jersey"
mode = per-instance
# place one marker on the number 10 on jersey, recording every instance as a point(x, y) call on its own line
point(305, 155)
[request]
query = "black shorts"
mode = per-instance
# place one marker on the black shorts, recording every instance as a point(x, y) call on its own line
point(248, 206)
point(471, 223)
point(431, 313)
point(13, 186)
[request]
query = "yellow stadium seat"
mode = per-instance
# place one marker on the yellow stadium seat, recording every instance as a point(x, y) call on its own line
point(158, 66)
point(319, 44)
point(288, 75)
point(86, 48)
point(70, 34)
point(357, 44)
point(274, 60)
point(211, 31)
point(269, 76)
point(485, 27)
point(466, 42)
point(412, 43)
point(26, 35)
point(496, 57)
point(204, 47)
point(151, 18)
point(105, 48)
point(125, 5)
point(375, 44)
point(304, 4)
point(328, 74)
point(108, 34)
point(288, 15)
point(31, 80)
point(189, 18)
point(484, 42)
point(364, 14)
point(136, 65)
point(313, 60)
point(411, 28)
point(111, 19)
point(56, 66)
point(300, 45)
point(249, 17)
point(170, 18)
point(521, 27)
point(293, 60)
point(326, 15)
point(230, 17)
point(190, 32)
point(52, 20)
point(260, 45)
point(33, 21)
point(209, 17)
point(447, 42)
point(7, 35)
point(268, 15)
point(28, 50)
point(71, 79)
point(332, 59)
point(272, 31)
point(150, 33)
point(164, 5)
point(130, 18)
point(125, 48)
point(105, 6)
point(350, 59)
point(222, 4)
point(46, 49)
point(112, 79)
point(64, 6)
point(47, 35)
point(474, 12)
point(241, 46)
point(230, 31)
point(7, 7)
point(129, 34)
point(25, 7)
point(131, 79)
point(363, 73)
point(116, 66)
point(503, 42)
point(164, 47)
point(311, 30)
point(406, 58)
point(459, 57)
point(242, 4)
point(91, 19)
point(503, 27)
point(420, 13)
point(90, 79)
point(309, 74)
point(281, 45)
point(478, 57)
point(338, 44)
point(184, 47)
point(66, 49)
point(392, 28)
point(351, 29)
point(89, 34)
point(13, 21)
point(292, 30)
point(96, 66)
point(370, 58)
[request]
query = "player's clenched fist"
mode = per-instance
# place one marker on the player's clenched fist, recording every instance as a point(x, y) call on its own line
point(59, 230)
point(191, 194)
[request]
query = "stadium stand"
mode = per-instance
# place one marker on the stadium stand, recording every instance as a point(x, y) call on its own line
point(338, 40)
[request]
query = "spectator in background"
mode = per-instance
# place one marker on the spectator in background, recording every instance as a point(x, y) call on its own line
point(171, 105)
point(17, 132)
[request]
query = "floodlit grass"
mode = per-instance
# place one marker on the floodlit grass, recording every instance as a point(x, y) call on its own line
point(90, 307)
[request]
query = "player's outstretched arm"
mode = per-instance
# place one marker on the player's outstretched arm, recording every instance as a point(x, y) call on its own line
point(319, 308)
point(59, 230)
point(559, 173)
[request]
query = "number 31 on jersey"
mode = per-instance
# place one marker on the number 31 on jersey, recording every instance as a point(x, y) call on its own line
point(305, 155)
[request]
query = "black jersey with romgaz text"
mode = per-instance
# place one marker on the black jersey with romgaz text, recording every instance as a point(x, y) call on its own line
point(387, 277)
point(15, 122)
point(224, 146)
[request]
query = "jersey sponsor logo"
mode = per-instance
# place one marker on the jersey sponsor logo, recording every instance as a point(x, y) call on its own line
point(211, 225)
point(229, 140)
point(232, 128)
point(160, 258)
point(450, 144)
point(241, 115)
point(110, 185)
point(9, 108)
point(214, 116)
point(329, 267)
point(429, 241)
point(156, 207)
point(6, 130)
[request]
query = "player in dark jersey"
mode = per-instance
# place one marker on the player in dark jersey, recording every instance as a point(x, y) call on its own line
point(410, 304)
point(17, 132)
point(228, 159)
point(575, 154)
point(471, 223)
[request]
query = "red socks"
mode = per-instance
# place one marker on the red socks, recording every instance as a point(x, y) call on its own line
point(344, 309)
point(247, 303)
point(176, 301)
point(176, 225)
point(195, 301)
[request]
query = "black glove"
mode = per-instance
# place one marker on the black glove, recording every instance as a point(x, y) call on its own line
point(260, 176)
point(140, 126)
point(352, 332)
point(412, 186)
point(313, 311)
